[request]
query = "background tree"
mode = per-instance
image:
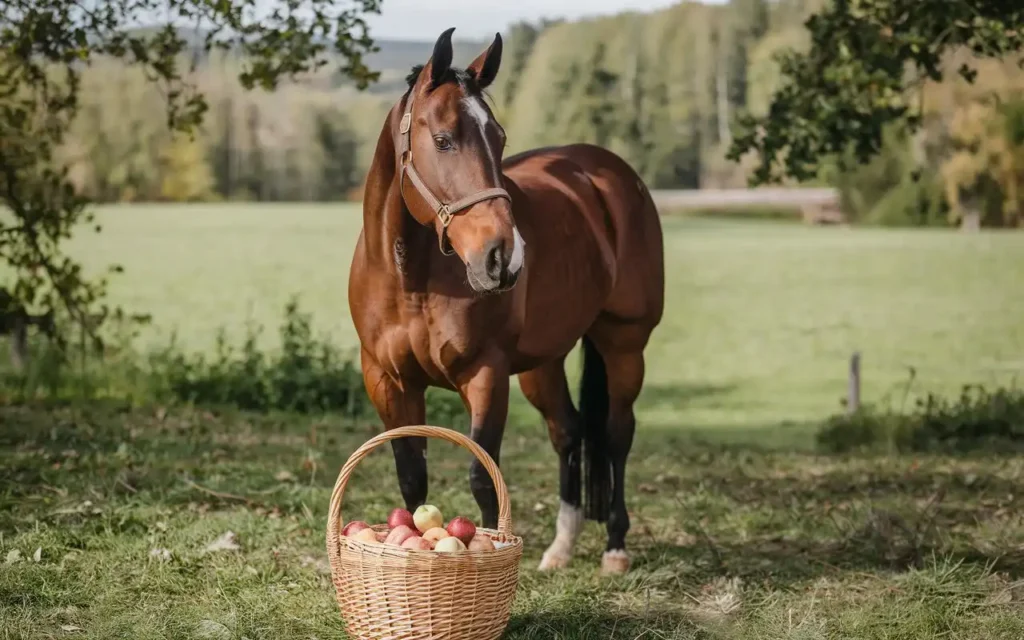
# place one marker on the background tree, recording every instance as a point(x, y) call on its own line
point(46, 45)
point(853, 79)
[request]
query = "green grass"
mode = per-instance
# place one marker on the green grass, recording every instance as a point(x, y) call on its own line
point(727, 543)
point(760, 317)
point(738, 531)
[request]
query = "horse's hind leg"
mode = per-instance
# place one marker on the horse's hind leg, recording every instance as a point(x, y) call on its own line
point(620, 347)
point(547, 390)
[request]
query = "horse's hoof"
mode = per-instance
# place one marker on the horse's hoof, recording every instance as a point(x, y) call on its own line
point(553, 560)
point(615, 562)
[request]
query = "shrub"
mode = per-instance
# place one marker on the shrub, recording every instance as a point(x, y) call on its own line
point(978, 419)
point(307, 374)
point(910, 202)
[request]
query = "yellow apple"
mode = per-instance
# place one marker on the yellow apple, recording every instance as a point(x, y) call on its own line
point(451, 544)
point(426, 517)
point(435, 534)
point(366, 535)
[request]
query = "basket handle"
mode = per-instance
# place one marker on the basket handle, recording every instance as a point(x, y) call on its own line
point(335, 523)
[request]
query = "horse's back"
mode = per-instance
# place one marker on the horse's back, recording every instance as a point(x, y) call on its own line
point(618, 205)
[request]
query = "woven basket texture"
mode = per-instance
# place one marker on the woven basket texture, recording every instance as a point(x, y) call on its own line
point(393, 593)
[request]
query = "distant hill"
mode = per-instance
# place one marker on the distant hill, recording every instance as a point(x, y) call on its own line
point(393, 60)
point(404, 54)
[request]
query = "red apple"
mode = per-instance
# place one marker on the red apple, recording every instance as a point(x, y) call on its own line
point(354, 527)
point(399, 534)
point(461, 528)
point(418, 543)
point(401, 516)
point(481, 543)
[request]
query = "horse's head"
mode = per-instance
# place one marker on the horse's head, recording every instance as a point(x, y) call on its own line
point(450, 147)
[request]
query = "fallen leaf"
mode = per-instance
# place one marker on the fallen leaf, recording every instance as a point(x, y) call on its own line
point(537, 508)
point(38, 555)
point(12, 556)
point(212, 629)
point(685, 539)
point(320, 564)
point(284, 476)
point(226, 542)
point(164, 555)
point(69, 628)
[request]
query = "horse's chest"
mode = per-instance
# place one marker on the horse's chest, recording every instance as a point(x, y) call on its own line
point(428, 346)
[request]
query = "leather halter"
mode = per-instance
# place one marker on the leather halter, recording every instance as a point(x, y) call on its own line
point(445, 211)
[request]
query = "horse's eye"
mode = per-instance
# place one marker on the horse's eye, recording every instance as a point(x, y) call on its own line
point(442, 143)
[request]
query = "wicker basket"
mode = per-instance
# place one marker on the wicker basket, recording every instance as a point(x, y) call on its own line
point(395, 593)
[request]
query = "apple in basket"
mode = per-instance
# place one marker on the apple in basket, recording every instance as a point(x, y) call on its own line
point(399, 534)
point(435, 534)
point(417, 543)
point(354, 527)
point(451, 544)
point(366, 535)
point(426, 517)
point(481, 543)
point(461, 528)
point(401, 516)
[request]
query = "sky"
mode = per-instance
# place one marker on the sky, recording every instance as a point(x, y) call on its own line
point(478, 19)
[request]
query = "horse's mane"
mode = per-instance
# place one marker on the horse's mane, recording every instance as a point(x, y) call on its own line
point(463, 77)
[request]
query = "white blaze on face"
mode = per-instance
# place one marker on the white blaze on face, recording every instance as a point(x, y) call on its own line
point(479, 115)
point(515, 263)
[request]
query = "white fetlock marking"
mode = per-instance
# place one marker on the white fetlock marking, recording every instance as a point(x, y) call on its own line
point(570, 523)
point(615, 561)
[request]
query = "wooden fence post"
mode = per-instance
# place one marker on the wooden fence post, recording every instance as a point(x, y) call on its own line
point(853, 389)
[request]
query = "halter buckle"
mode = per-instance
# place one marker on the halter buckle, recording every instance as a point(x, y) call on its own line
point(445, 214)
point(406, 123)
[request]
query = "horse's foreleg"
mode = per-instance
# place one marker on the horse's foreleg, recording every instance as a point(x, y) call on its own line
point(547, 389)
point(485, 392)
point(398, 408)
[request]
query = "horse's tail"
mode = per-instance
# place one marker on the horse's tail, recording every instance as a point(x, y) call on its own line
point(594, 418)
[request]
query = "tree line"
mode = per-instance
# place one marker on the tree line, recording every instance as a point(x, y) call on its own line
point(662, 89)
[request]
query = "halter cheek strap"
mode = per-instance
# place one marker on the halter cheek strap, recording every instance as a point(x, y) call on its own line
point(445, 211)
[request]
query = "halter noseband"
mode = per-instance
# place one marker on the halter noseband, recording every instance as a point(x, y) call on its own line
point(445, 211)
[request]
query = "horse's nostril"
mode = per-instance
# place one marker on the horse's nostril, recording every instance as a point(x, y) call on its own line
point(495, 261)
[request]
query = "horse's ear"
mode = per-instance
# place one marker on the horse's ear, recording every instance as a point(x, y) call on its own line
point(485, 67)
point(441, 60)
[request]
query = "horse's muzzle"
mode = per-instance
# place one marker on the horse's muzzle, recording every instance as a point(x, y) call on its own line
point(499, 266)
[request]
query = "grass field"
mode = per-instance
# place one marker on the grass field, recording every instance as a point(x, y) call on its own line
point(760, 318)
point(739, 530)
point(105, 518)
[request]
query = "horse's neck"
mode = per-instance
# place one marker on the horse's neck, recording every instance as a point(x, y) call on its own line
point(391, 234)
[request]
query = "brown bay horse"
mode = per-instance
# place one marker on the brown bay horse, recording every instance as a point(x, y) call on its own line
point(470, 270)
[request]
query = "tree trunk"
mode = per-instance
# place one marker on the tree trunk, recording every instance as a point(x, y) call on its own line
point(970, 220)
